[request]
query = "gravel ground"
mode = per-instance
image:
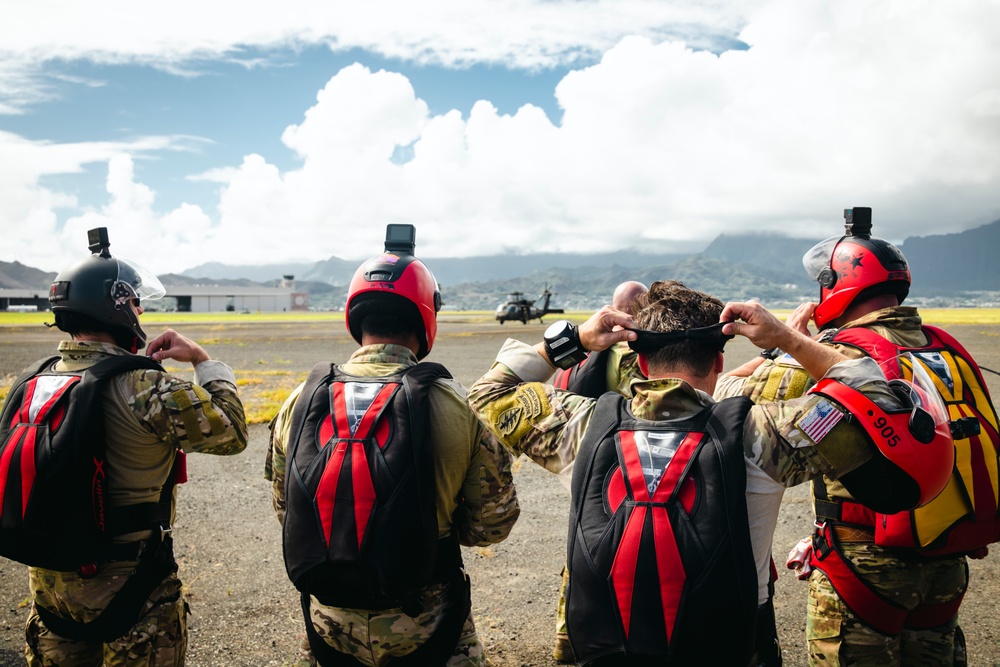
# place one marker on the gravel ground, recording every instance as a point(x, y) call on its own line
point(245, 611)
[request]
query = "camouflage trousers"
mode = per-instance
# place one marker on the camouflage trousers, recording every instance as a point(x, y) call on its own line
point(375, 637)
point(561, 608)
point(837, 637)
point(158, 639)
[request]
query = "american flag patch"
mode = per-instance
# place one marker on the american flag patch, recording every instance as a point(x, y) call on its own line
point(820, 420)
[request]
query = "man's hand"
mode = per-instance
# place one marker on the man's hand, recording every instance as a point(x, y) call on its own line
point(605, 328)
point(765, 331)
point(172, 345)
point(758, 324)
point(800, 317)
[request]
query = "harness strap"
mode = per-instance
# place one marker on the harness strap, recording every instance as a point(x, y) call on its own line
point(872, 608)
point(933, 615)
point(124, 610)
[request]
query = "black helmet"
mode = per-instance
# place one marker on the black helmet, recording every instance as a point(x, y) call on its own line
point(99, 289)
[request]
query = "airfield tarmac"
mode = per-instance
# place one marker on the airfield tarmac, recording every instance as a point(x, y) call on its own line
point(227, 540)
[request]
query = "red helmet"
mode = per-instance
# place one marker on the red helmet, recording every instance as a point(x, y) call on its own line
point(399, 282)
point(854, 265)
point(915, 438)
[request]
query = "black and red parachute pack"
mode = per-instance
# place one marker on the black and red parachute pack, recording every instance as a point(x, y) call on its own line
point(659, 547)
point(360, 527)
point(53, 483)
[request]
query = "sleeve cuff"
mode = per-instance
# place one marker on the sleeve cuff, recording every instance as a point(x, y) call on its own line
point(524, 361)
point(856, 372)
point(211, 370)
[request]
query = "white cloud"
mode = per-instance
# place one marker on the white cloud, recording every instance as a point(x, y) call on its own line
point(887, 104)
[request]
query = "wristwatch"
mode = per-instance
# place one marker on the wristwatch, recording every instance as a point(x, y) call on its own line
point(563, 346)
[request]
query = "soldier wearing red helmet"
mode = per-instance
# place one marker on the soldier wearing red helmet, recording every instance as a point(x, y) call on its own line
point(380, 472)
point(885, 588)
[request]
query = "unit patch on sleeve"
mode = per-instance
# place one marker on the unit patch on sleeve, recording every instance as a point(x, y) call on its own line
point(512, 415)
point(820, 420)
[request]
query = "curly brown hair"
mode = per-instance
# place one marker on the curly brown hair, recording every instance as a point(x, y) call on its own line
point(670, 305)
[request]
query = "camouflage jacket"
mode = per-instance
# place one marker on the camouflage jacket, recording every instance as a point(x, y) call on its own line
point(548, 425)
point(149, 415)
point(472, 471)
point(623, 367)
point(784, 379)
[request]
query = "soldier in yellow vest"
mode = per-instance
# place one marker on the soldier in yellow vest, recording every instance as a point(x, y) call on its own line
point(885, 589)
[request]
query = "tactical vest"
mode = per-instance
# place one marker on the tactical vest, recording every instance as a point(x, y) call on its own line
point(54, 489)
point(659, 546)
point(587, 378)
point(360, 528)
point(963, 518)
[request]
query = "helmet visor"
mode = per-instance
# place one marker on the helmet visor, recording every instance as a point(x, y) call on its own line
point(135, 282)
point(818, 257)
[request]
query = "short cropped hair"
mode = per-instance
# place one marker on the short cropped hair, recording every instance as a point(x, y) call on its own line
point(79, 324)
point(671, 306)
point(388, 316)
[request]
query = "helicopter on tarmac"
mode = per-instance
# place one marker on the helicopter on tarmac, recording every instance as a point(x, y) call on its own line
point(518, 308)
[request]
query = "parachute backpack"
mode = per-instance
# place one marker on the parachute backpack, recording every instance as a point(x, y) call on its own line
point(659, 543)
point(963, 518)
point(360, 528)
point(53, 483)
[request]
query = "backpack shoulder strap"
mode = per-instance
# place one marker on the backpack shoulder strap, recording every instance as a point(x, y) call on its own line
point(869, 342)
point(118, 364)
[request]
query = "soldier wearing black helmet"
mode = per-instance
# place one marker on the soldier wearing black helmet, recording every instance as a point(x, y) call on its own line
point(380, 472)
point(105, 588)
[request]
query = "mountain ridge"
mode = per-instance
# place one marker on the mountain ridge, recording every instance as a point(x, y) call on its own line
point(732, 267)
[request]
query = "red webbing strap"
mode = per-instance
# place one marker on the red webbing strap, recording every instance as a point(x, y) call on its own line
point(933, 615)
point(363, 489)
point(856, 514)
point(326, 490)
point(872, 608)
point(5, 458)
point(627, 555)
point(624, 565)
point(561, 378)
point(670, 567)
point(668, 557)
point(27, 468)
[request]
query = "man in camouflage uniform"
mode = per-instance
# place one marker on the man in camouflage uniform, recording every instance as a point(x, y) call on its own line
point(549, 424)
point(837, 635)
point(621, 366)
point(150, 418)
point(475, 493)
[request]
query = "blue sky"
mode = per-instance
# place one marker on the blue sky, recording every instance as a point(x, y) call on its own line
point(227, 109)
point(255, 133)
